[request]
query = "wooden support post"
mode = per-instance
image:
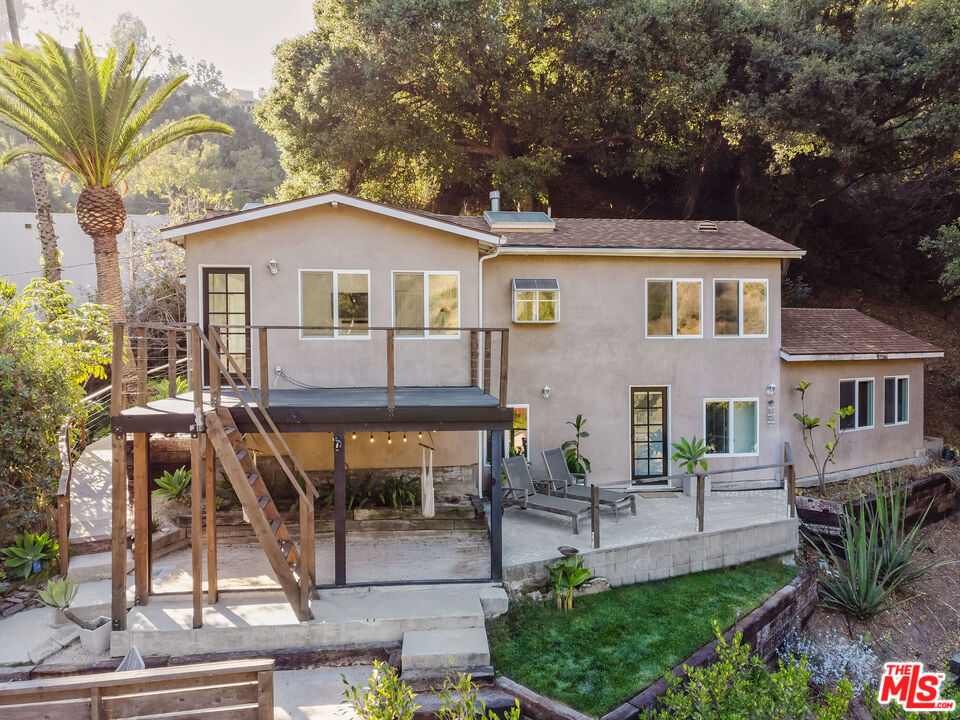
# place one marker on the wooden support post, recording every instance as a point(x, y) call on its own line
point(504, 352)
point(171, 363)
point(340, 510)
point(265, 695)
point(496, 505)
point(214, 378)
point(595, 514)
point(211, 505)
point(141, 517)
point(790, 473)
point(701, 492)
point(264, 400)
point(307, 552)
point(391, 389)
point(487, 342)
point(118, 494)
point(96, 706)
point(142, 367)
point(198, 446)
point(474, 358)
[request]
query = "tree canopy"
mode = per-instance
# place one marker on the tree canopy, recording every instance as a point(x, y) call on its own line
point(828, 123)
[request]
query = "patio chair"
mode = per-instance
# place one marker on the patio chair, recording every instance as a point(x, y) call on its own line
point(564, 483)
point(520, 489)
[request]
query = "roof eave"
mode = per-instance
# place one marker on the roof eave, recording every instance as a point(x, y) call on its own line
point(649, 252)
point(827, 357)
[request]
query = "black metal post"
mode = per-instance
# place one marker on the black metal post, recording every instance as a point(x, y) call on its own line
point(496, 506)
point(340, 510)
point(595, 514)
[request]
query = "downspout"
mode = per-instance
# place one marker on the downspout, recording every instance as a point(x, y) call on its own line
point(480, 438)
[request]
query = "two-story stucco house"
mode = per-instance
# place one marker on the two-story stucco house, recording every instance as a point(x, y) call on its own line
point(651, 329)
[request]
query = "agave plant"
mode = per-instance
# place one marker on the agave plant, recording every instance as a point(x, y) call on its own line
point(30, 553)
point(175, 486)
point(59, 593)
point(567, 575)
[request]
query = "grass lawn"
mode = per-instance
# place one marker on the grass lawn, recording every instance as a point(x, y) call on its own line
point(616, 643)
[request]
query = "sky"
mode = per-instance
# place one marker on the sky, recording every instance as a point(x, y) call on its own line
point(238, 36)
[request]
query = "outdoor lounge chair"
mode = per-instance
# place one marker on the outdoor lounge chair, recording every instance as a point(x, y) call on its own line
point(520, 486)
point(564, 484)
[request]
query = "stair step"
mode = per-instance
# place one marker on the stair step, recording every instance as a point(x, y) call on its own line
point(252, 477)
point(443, 649)
point(228, 431)
point(264, 501)
point(275, 525)
point(241, 455)
point(285, 547)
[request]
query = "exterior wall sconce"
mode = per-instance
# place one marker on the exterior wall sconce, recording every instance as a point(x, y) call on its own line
point(545, 392)
point(771, 388)
point(273, 266)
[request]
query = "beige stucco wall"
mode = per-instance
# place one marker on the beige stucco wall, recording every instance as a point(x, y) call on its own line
point(342, 238)
point(598, 350)
point(860, 447)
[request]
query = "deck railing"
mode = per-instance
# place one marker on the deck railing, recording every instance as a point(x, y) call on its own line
point(481, 342)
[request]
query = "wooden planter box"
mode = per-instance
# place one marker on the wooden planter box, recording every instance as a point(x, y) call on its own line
point(822, 517)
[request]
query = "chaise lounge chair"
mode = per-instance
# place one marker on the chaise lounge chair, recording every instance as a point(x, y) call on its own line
point(564, 484)
point(520, 486)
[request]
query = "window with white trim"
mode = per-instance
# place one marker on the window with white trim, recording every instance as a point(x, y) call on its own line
point(516, 440)
point(858, 394)
point(740, 308)
point(896, 400)
point(674, 307)
point(426, 299)
point(536, 300)
point(730, 426)
point(335, 298)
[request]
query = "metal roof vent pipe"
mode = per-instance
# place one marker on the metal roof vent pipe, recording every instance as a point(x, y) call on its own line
point(495, 201)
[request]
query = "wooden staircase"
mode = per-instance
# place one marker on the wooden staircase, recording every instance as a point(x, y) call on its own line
point(260, 510)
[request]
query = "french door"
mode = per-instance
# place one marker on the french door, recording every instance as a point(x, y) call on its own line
point(648, 433)
point(226, 302)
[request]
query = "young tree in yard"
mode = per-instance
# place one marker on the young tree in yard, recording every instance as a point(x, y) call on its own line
point(88, 115)
point(809, 424)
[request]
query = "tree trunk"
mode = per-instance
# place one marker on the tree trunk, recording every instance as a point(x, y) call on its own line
point(41, 193)
point(48, 236)
point(109, 283)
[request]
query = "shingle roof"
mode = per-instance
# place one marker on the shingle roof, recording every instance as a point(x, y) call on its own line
point(843, 331)
point(639, 233)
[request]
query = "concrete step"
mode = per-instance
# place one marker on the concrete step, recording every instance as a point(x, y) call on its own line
point(458, 648)
point(97, 566)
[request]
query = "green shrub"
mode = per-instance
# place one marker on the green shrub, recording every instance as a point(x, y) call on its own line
point(30, 554)
point(159, 388)
point(878, 556)
point(459, 701)
point(739, 686)
point(384, 697)
point(174, 487)
point(397, 492)
point(567, 575)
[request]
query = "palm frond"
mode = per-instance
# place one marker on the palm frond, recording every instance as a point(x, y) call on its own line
point(166, 134)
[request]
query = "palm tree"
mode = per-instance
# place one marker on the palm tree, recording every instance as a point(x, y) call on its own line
point(41, 192)
point(88, 115)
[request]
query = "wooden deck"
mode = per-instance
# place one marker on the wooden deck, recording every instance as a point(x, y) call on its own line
point(332, 409)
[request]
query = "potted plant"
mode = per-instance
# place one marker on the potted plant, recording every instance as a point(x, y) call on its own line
point(578, 465)
point(689, 456)
point(59, 594)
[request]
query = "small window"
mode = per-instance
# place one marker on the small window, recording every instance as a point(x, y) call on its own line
point(673, 308)
point(896, 400)
point(857, 394)
point(335, 298)
point(730, 426)
point(426, 299)
point(516, 440)
point(536, 300)
point(740, 308)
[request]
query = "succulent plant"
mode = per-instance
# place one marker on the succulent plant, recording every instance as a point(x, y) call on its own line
point(59, 593)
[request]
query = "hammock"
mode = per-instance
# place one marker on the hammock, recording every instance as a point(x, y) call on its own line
point(426, 481)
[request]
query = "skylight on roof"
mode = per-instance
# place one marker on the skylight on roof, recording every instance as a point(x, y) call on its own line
point(506, 221)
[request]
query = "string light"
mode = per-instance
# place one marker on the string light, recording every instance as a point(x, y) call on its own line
point(404, 436)
point(371, 437)
point(354, 434)
point(389, 439)
point(420, 434)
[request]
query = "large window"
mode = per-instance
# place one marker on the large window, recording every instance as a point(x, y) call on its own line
point(335, 298)
point(536, 300)
point(730, 426)
point(858, 394)
point(896, 400)
point(740, 308)
point(673, 308)
point(426, 299)
point(516, 440)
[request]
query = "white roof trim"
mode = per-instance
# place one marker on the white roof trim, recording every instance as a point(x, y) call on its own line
point(824, 357)
point(649, 252)
point(176, 234)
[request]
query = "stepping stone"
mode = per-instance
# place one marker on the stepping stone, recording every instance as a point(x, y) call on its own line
point(443, 649)
point(97, 566)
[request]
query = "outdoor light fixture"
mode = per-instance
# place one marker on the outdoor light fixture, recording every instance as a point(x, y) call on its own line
point(545, 392)
point(771, 388)
point(273, 266)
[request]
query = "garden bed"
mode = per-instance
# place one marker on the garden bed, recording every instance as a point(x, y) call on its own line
point(616, 643)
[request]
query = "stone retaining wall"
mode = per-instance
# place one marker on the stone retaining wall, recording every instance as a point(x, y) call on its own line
point(763, 629)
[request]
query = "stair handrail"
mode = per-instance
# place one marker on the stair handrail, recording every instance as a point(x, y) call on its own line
point(222, 371)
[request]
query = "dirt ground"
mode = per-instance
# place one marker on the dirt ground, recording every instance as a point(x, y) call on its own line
point(866, 484)
point(942, 376)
